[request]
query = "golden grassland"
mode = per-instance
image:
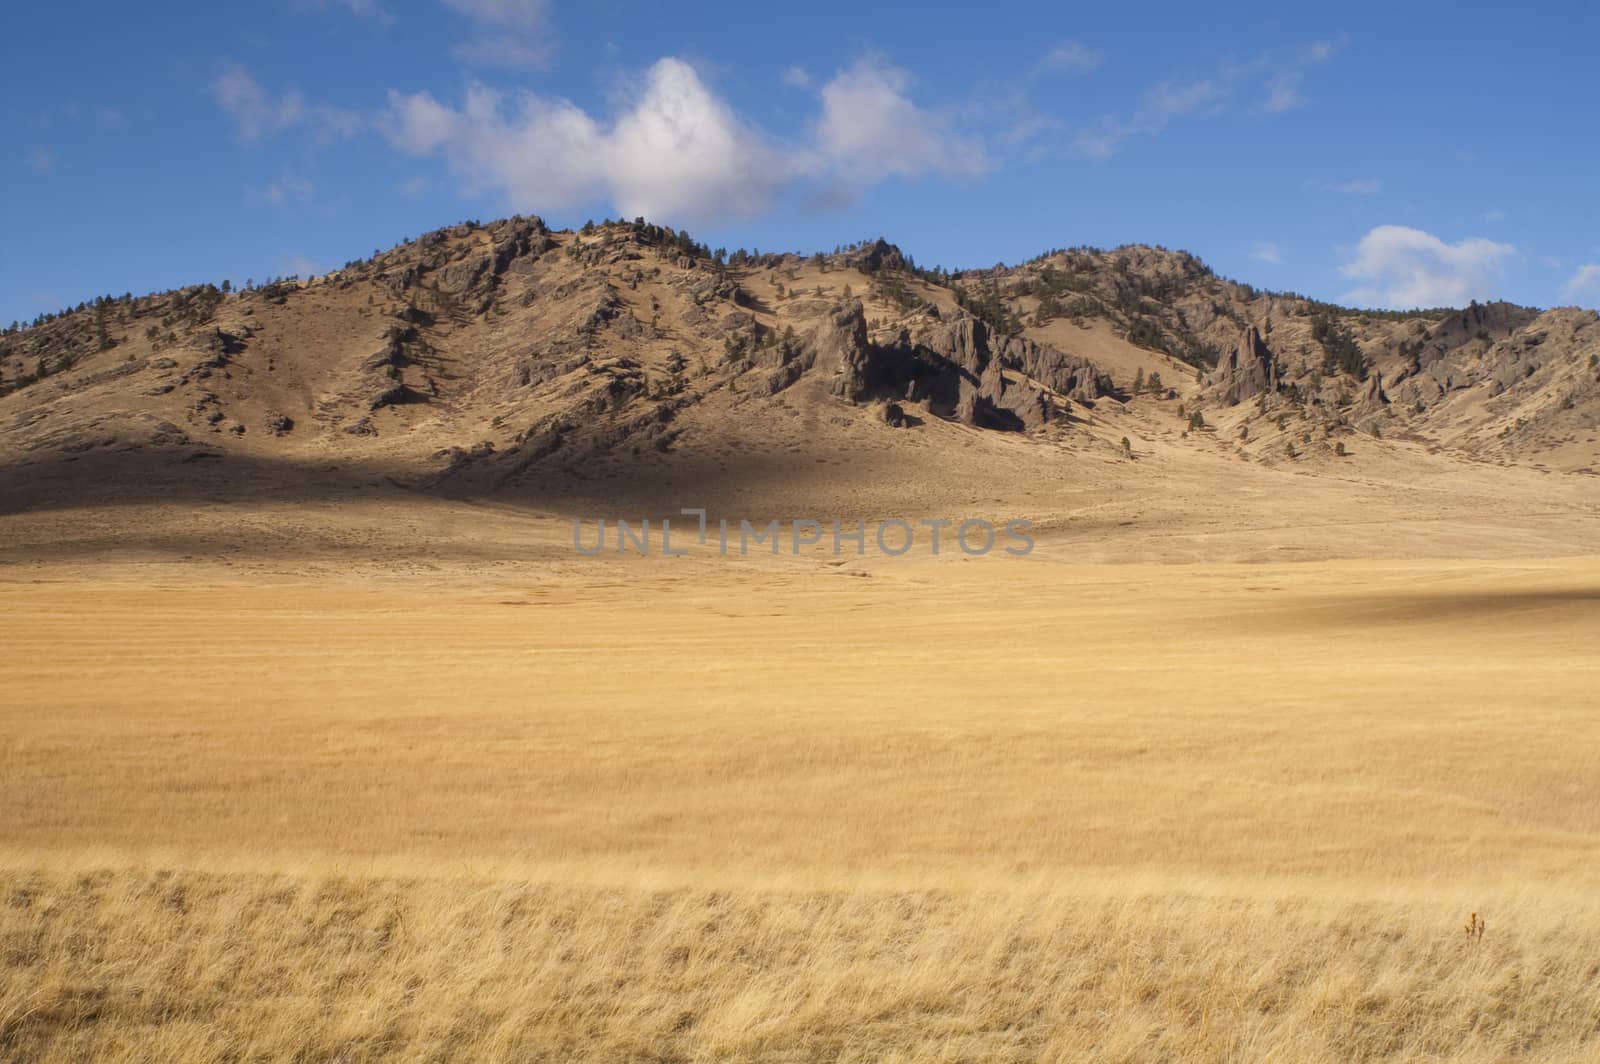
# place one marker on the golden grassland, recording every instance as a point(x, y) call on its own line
point(916, 810)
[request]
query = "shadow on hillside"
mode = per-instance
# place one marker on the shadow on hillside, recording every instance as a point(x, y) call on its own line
point(1489, 606)
point(153, 476)
point(741, 484)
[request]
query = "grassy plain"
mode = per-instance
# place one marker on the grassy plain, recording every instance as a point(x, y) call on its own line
point(918, 810)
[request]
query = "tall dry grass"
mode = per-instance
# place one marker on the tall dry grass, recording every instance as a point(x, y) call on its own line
point(166, 965)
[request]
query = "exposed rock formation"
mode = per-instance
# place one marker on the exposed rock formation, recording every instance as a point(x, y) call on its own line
point(1246, 371)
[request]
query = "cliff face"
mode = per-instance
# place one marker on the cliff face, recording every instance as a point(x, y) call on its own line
point(1250, 369)
point(1493, 380)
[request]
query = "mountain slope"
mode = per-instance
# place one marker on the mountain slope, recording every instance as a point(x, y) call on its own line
point(484, 359)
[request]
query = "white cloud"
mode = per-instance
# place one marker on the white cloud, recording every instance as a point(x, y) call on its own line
point(257, 113)
point(1069, 57)
point(870, 129)
point(1587, 279)
point(796, 77)
point(680, 150)
point(677, 152)
point(1404, 268)
point(1266, 251)
point(508, 33)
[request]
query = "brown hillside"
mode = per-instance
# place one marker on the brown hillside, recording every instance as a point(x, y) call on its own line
point(626, 364)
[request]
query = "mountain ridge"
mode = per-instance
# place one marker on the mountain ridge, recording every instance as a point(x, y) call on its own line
point(481, 355)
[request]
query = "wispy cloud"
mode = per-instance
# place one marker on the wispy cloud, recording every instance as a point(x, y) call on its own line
point(1404, 268)
point(369, 9)
point(1587, 279)
point(1158, 107)
point(1278, 77)
point(1285, 83)
point(41, 160)
point(1069, 57)
point(1283, 93)
point(678, 151)
point(505, 33)
point(286, 190)
point(1266, 251)
point(104, 117)
point(257, 113)
point(302, 266)
point(1359, 186)
point(414, 187)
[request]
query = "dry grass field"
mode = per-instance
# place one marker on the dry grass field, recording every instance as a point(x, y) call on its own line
point(914, 810)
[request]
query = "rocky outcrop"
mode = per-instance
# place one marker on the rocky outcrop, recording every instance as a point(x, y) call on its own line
point(963, 368)
point(1247, 371)
point(878, 255)
point(957, 368)
point(840, 351)
point(1071, 376)
point(1372, 394)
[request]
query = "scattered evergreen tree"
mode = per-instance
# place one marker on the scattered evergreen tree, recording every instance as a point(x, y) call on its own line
point(1341, 353)
point(102, 335)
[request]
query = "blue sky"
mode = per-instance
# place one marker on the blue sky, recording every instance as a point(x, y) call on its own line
point(1393, 154)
